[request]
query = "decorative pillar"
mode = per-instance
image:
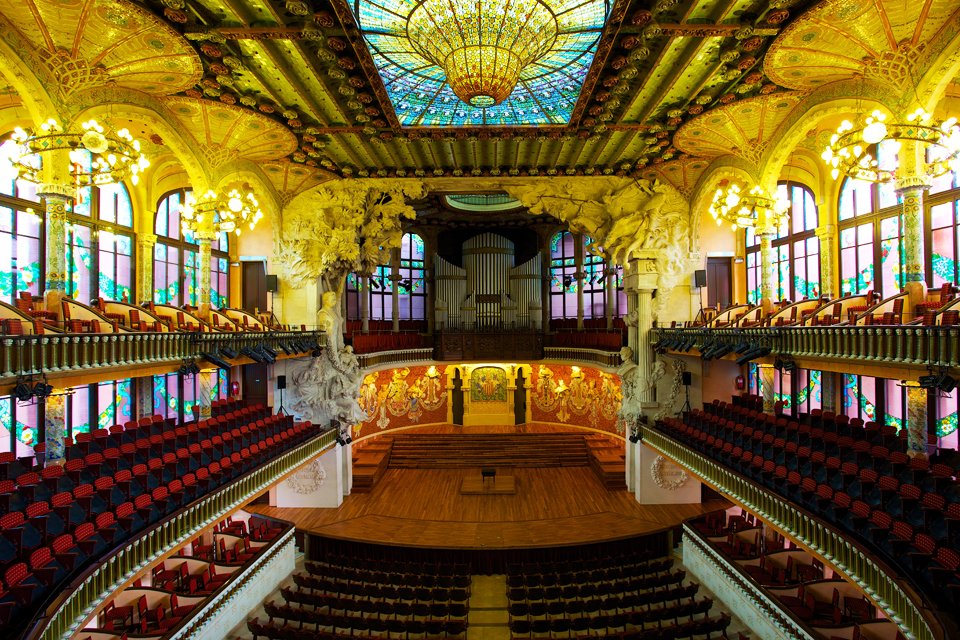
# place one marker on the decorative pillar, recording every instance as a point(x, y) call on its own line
point(395, 293)
point(364, 295)
point(767, 273)
point(610, 284)
point(644, 355)
point(205, 240)
point(145, 244)
point(429, 237)
point(765, 372)
point(57, 198)
point(827, 234)
point(579, 275)
point(207, 380)
point(546, 299)
point(916, 419)
point(54, 427)
point(828, 390)
point(912, 189)
point(144, 396)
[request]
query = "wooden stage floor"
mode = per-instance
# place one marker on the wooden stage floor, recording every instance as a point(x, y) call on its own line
point(552, 507)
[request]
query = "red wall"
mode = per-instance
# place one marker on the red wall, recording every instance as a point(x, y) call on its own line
point(591, 397)
point(403, 397)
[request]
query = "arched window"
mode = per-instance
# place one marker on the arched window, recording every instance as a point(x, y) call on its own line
point(176, 259)
point(99, 244)
point(795, 250)
point(563, 279)
point(870, 235)
point(21, 232)
point(411, 287)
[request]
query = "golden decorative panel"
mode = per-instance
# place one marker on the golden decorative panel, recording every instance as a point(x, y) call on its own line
point(87, 43)
point(742, 128)
point(682, 173)
point(842, 39)
point(225, 131)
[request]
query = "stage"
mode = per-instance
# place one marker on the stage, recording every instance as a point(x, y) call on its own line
point(426, 508)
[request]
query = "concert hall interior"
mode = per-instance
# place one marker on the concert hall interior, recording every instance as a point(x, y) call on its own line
point(479, 319)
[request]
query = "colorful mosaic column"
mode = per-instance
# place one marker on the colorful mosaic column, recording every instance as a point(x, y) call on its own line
point(765, 372)
point(144, 396)
point(58, 199)
point(916, 419)
point(395, 294)
point(828, 258)
point(767, 274)
point(364, 294)
point(145, 244)
point(206, 379)
point(912, 190)
point(205, 240)
point(54, 428)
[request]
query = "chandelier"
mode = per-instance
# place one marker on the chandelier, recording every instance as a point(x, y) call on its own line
point(742, 210)
point(850, 150)
point(482, 45)
point(227, 213)
point(97, 155)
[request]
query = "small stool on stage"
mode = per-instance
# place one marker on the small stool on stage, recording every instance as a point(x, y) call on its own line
point(489, 473)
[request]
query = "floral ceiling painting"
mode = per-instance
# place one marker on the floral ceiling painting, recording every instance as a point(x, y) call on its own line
point(545, 47)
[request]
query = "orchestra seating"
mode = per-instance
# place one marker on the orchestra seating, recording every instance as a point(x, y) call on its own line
point(57, 520)
point(855, 476)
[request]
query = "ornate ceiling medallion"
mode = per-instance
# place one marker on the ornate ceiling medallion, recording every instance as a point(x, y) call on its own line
point(482, 62)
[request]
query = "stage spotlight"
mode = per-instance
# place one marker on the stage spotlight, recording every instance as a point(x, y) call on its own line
point(42, 390)
point(317, 351)
point(228, 352)
point(22, 392)
point(285, 347)
point(752, 354)
point(341, 441)
point(264, 348)
point(253, 354)
point(215, 360)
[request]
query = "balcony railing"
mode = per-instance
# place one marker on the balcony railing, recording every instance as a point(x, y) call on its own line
point(902, 604)
point(910, 345)
point(582, 354)
point(26, 355)
point(63, 617)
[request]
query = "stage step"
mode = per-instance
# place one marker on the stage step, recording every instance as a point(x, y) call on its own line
point(443, 451)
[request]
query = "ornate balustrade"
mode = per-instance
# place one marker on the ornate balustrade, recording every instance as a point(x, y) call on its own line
point(580, 354)
point(906, 345)
point(400, 356)
point(62, 618)
point(901, 603)
point(77, 352)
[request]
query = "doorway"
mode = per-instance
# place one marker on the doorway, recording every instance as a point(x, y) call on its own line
point(254, 287)
point(520, 400)
point(255, 384)
point(719, 282)
point(456, 398)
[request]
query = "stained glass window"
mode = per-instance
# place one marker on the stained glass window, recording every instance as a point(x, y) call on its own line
point(563, 281)
point(809, 390)
point(545, 94)
point(9, 184)
point(114, 403)
point(860, 397)
point(19, 426)
point(78, 410)
point(891, 255)
point(79, 262)
point(856, 259)
point(116, 266)
point(219, 284)
point(20, 246)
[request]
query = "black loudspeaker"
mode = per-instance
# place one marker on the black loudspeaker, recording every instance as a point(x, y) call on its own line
point(272, 285)
point(687, 378)
point(699, 278)
point(281, 382)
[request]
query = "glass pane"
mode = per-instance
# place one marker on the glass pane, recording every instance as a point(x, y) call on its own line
point(79, 262)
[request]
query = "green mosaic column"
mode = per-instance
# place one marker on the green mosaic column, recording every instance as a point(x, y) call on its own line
point(58, 199)
point(828, 390)
point(767, 273)
point(204, 239)
point(916, 420)
point(207, 379)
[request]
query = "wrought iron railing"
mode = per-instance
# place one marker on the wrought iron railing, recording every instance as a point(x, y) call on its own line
point(27, 355)
point(910, 345)
point(77, 602)
point(901, 603)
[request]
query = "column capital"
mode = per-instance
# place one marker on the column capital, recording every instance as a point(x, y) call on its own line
point(146, 239)
point(50, 191)
point(915, 182)
point(826, 231)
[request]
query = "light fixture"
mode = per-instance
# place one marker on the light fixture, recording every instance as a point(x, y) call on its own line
point(740, 209)
point(850, 151)
point(482, 45)
point(22, 392)
point(97, 155)
point(228, 213)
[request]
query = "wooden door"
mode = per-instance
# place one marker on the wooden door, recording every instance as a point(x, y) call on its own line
point(254, 288)
point(255, 383)
point(456, 399)
point(520, 400)
point(719, 282)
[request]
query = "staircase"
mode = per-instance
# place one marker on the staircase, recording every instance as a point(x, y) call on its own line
point(449, 451)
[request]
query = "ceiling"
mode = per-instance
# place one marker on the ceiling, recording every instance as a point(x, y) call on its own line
point(295, 86)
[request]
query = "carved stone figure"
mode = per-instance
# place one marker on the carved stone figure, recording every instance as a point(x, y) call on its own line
point(328, 388)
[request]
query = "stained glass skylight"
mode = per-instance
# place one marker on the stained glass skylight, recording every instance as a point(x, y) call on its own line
point(547, 89)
